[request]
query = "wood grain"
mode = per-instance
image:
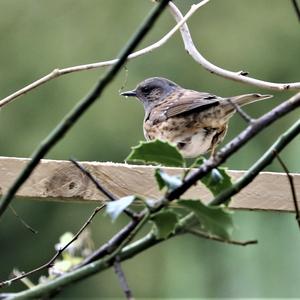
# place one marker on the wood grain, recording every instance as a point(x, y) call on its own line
point(55, 180)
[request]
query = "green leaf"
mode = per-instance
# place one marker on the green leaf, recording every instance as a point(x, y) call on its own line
point(215, 220)
point(157, 152)
point(198, 162)
point(163, 179)
point(165, 223)
point(217, 181)
point(115, 208)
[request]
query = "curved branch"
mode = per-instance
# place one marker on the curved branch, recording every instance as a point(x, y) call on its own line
point(60, 72)
point(189, 46)
point(236, 76)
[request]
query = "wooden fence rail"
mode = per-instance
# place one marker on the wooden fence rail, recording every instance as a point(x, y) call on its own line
point(55, 180)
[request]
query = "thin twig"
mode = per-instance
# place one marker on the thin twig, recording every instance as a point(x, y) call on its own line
point(118, 241)
point(60, 72)
point(101, 188)
point(57, 254)
point(296, 8)
point(292, 185)
point(234, 145)
point(26, 281)
point(218, 239)
point(25, 224)
point(265, 160)
point(72, 117)
point(190, 47)
point(241, 112)
point(122, 279)
point(236, 76)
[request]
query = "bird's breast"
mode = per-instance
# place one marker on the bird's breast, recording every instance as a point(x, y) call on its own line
point(191, 136)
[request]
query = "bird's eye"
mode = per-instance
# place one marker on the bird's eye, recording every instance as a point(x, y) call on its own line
point(146, 90)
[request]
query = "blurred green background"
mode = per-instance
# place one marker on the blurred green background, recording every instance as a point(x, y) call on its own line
point(258, 36)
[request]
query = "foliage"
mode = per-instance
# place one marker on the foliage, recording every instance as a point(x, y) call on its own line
point(214, 220)
point(157, 152)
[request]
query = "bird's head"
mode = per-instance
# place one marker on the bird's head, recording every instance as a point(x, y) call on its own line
point(152, 90)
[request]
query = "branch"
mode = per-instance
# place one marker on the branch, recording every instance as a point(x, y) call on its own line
point(101, 188)
point(236, 76)
point(122, 279)
point(234, 145)
point(265, 160)
point(292, 185)
point(66, 124)
point(57, 254)
point(23, 222)
point(118, 241)
point(217, 239)
point(189, 45)
point(60, 72)
point(296, 8)
point(241, 112)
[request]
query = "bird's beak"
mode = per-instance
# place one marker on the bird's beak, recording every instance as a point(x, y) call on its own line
point(129, 94)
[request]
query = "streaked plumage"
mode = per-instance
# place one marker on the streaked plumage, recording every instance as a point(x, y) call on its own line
point(196, 122)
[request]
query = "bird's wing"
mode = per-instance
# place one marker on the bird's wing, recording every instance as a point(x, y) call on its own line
point(188, 101)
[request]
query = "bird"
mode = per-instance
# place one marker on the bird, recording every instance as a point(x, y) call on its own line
point(195, 122)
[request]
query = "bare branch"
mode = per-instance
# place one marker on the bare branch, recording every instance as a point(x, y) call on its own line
point(296, 8)
point(236, 76)
point(122, 279)
point(189, 45)
point(292, 185)
point(218, 239)
point(241, 112)
point(24, 223)
point(60, 72)
point(57, 254)
point(101, 188)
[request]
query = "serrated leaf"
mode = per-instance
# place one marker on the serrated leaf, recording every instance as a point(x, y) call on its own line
point(157, 152)
point(165, 223)
point(115, 208)
point(163, 179)
point(215, 220)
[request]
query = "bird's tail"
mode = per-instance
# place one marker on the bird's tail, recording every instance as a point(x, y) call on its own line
point(241, 100)
point(249, 98)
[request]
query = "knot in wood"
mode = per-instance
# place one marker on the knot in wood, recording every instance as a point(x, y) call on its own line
point(67, 182)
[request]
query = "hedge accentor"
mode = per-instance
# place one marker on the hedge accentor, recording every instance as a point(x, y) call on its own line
point(196, 122)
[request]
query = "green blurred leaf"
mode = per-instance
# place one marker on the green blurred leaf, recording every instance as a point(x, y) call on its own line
point(215, 220)
point(163, 179)
point(115, 208)
point(158, 152)
point(198, 162)
point(165, 223)
point(217, 180)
